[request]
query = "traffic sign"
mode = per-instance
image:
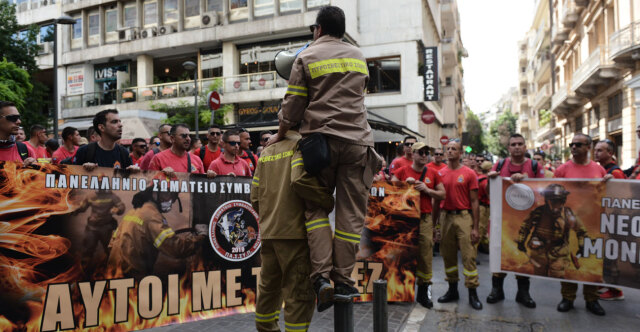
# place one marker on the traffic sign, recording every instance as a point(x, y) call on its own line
point(214, 100)
point(444, 140)
point(428, 116)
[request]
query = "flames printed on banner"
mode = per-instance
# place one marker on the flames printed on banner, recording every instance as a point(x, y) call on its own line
point(28, 250)
point(395, 216)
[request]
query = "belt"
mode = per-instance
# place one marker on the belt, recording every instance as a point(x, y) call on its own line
point(484, 204)
point(457, 211)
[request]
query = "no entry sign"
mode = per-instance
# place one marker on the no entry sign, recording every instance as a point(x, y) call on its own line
point(428, 116)
point(444, 140)
point(214, 100)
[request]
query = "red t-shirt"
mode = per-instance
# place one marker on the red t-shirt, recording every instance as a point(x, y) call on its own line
point(209, 156)
point(483, 195)
point(167, 158)
point(11, 153)
point(458, 183)
point(574, 171)
point(245, 156)
point(62, 153)
point(238, 167)
point(431, 179)
point(509, 169)
point(398, 163)
point(436, 167)
point(617, 173)
point(134, 160)
point(146, 160)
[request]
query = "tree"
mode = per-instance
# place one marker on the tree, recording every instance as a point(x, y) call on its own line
point(499, 134)
point(18, 45)
point(14, 83)
point(475, 132)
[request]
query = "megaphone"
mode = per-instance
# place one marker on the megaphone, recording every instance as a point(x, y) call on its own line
point(284, 61)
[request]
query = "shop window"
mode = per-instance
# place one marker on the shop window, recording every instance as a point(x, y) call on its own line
point(111, 18)
point(130, 16)
point(384, 75)
point(615, 105)
point(214, 5)
point(150, 13)
point(257, 67)
point(94, 25)
point(191, 8)
point(211, 64)
point(77, 29)
point(170, 11)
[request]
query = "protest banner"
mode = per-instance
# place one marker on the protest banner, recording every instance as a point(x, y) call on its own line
point(111, 250)
point(570, 229)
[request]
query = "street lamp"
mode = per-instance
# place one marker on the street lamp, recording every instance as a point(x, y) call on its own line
point(190, 65)
point(64, 19)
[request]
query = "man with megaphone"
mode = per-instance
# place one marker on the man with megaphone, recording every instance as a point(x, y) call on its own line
point(326, 94)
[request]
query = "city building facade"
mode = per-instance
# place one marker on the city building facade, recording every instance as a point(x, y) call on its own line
point(129, 54)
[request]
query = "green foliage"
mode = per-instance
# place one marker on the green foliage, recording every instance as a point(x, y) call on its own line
point(545, 117)
point(499, 134)
point(183, 112)
point(476, 133)
point(18, 46)
point(14, 83)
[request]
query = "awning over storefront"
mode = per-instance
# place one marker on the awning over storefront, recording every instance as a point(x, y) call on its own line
point(80, 124)
point(135, 123)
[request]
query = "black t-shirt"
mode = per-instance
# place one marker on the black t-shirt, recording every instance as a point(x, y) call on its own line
point(114, 158)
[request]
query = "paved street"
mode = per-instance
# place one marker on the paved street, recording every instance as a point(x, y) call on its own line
point(505, 316)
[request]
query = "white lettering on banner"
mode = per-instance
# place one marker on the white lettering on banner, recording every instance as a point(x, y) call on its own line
point(621, 203)
point(61, 181)
point(619, 224)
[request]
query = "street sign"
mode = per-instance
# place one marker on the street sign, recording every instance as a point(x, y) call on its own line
point(214, 100)
point(444, 140)
point(428, 116)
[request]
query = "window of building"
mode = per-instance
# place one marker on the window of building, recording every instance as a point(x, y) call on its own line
point(111, 20)
point(191, 8)
point(579, 121)
point(524, 92)
point(46, 34)
point(130, 16)
point(150, 12)
point(77, 29)
point(567, 128)
point(236, 4)
point(290, 5)
point(384, 75)
point(615, 105)
point(317, 3)
point(214, 5)
point(170, 11)
point(594, 115)
point(94, 25)
point(448, 81)
point(263, 7)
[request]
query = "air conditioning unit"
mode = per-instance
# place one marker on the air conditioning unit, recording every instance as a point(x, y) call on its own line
point(149, 32)
point(208, 19)
point(167, 29)
point(47, 48)
point(44, 3)
point(128, 34)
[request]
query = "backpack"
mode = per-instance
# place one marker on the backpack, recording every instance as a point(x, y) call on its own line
point(202, 152)
point(22, 150)
point(424, 172)
point(534, 166)
point(611, 168)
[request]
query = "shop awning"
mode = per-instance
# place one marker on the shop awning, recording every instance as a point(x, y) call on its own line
point(80, 124)
point(381, 123)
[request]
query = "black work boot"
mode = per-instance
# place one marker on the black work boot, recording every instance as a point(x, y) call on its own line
point(523, 294)
point(324, 293)
point(424, 295)
point(497, 293)
point(565, 305)
point(345, 293)
point(595, 308)
point(474, 301)
point(451, 294)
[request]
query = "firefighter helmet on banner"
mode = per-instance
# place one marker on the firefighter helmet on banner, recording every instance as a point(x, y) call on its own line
point(284, 61)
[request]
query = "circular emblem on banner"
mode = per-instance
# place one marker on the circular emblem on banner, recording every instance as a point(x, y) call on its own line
point(234, 231)
point(519, 196)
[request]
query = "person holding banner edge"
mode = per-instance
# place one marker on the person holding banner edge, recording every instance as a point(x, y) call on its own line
point(428, 182)
point(580, 166)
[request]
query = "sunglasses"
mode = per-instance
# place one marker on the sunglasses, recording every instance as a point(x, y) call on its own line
point(233, 143)
point(164, 132)
point(12, 118)
point(185, 136)
point(577, 145)
point(408, 144)
point(422, 152)
point(215, 133)
point(157, 143)
point(142, 146)
point(457, 140)
point(313, 27)
point(438, 154)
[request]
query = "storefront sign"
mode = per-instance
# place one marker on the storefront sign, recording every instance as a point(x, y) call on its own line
point(110, 73)
point(75, 81)
point(431, 92)
point(258, 113)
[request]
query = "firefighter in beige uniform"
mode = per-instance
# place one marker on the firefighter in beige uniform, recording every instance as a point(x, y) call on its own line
point(285, 253)
point(326, 92)
point(144, 232)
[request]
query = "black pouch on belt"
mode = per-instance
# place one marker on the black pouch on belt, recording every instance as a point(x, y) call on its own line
point(315, 153)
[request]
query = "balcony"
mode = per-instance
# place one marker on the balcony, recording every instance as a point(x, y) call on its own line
point(449, 15)
point(564, 99)
point(595, 71)
point(624, 44)
point(524, 122)
point(570, 13)
point(522, 56)
point(522, 78)
point(559, 33)
point(541, 66)
point(167, 91)
point(542, 97)
point(449, 53)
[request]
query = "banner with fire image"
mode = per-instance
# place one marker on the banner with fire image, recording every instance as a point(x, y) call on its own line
point(109, 250)
point(577, 230)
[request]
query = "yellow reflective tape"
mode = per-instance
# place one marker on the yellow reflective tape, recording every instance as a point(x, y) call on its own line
point(297, 159)
point(470, 273)
point(423, 275)
point(255, 183)
point(256, 178)
point(115, 233)
point(318, 226)
point(297, 324)
point(347, 239)
point(315, 221)
point(268, 315)
point(167, 233)
point(296, 165)
point(296, 93)
point(297, 87)
point(341, 65)
point(133, 219)
point(451, 269)
point(357, 236)
point(266, 320)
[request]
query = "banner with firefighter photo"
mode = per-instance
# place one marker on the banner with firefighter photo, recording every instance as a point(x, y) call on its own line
point(583, 231)
point(110, 250)
point(389, 241)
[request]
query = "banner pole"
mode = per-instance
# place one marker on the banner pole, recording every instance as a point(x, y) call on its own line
point(380, 309)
